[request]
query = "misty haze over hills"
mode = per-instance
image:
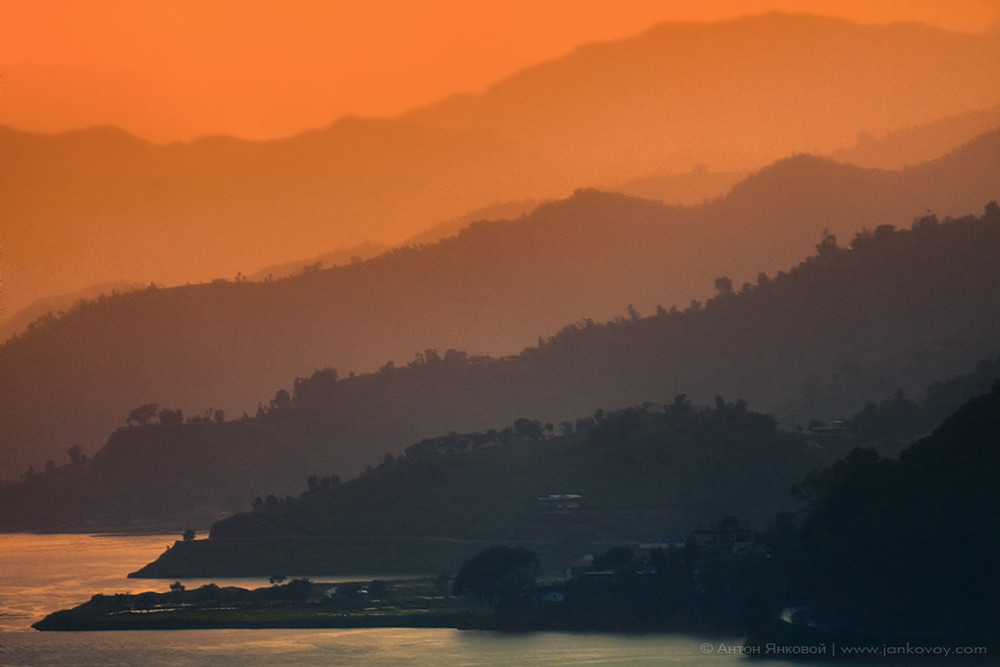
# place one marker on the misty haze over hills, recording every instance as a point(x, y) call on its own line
point(705, 144)
point(732, 95)
point(494, 289)
point(94, 206)
point(896, 309)
point(736, 281)
point(913, 145)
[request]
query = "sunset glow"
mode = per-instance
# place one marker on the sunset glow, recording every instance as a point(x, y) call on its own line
point(404, 307)
point(181, 69)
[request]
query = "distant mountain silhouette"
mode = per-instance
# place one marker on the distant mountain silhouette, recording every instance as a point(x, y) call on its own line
point(894, 309)
point(42, 308)
point(19, 321)
point(913, 145)
point(97, 205)
point(495, 288)
point(732, 95)
point(338, 257)
point(694, 187)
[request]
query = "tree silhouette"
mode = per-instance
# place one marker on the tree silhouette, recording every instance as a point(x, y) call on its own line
point(724, 285)
point(142, 415)
point(76, 455)
point(281, 400)
point(499, 573)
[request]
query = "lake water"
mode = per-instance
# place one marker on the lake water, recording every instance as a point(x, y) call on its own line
point(43, 573)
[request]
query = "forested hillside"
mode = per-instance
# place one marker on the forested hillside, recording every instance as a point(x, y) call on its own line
point(906, 546)
point(640, 474)
point(643, 473)
point(492, 289)
point(896, 309)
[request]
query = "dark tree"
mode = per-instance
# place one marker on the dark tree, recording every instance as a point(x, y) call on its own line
point(169, 417)
point(281, 400)
point(528, 429)
point(76, 455)
point(298, 590)
point(498, 574)
point(724, 285)
point(142, 415)
point(618, 559)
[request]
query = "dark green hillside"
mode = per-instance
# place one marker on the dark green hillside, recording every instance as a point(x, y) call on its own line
point(643, 473)
point(894, 308)
point(893, 422)
point(492, 289)
point(897, 309)
point(905, 548)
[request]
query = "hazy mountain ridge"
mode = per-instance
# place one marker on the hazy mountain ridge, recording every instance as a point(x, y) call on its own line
point(906, 147)
point(898, 309)
point(729, 85)
point(368, 250)
point(913, 145)
point(225, 206)
point(652, 463)
point(718, 94)
point(492, 289)
point(55, 306)
point(18, 322)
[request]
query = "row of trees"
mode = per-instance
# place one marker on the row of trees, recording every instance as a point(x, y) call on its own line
point(145, 414)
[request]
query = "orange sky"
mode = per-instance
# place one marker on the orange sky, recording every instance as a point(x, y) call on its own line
point(177, 69)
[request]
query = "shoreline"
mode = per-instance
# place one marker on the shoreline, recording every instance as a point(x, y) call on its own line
point(380, 603)
point(299, 603)
point(69, 621)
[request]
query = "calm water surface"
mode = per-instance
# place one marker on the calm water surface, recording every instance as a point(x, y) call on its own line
point(43, 573)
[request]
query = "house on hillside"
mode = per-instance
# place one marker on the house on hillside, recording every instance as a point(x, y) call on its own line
point(575, 568)
point(823, 435)
point(645, 549)
point(728, 538)
point(561, 501)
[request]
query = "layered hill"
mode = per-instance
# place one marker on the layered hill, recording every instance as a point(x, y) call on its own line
point(647, 473)
point(913, 145)
point(641, 474)
point(731, 94)
point(493, 289)
point(894, 309)
point(98, 205)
